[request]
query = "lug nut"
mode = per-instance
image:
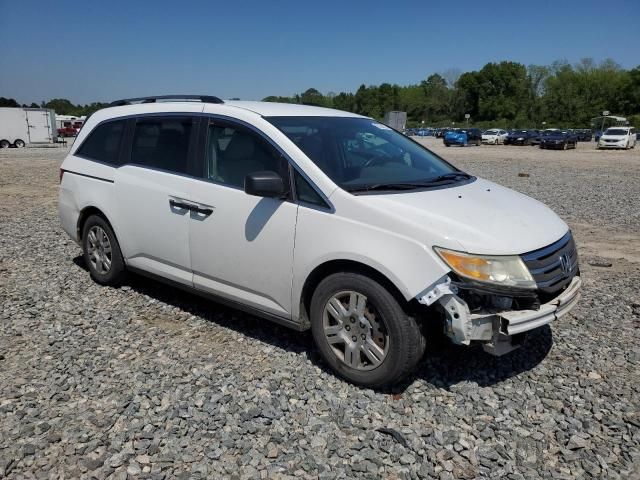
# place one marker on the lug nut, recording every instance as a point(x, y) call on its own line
point(354, 338)
point(347, 327)
point(364, 337)
point(353, 320)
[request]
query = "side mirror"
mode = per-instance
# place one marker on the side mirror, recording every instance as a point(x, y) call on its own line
point(264, 184)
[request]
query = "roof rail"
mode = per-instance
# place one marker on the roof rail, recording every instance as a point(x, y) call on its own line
point(153, 99)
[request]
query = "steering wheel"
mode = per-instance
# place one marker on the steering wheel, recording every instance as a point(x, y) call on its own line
point(380, 160)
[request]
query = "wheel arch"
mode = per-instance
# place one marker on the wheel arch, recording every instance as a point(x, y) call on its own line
point(330, 267)
point(85, 213)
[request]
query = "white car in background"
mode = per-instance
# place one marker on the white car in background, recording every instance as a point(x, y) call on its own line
point(618, 137)
point(495, 136)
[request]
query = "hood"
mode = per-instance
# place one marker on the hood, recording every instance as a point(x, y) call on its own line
point(479, 217)
point(615, 137)
point(554, 137)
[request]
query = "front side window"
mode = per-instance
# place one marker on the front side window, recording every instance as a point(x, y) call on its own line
point(234, 152)
point(362, 154)
point(103, 143)
point(306, 193)
point(162, 143)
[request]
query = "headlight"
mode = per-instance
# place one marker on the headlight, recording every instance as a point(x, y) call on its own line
point(507, 271)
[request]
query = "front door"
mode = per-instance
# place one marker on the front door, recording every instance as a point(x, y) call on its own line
point(241, 245)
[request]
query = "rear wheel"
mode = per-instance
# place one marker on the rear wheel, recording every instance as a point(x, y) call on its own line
point(101, 252)
point(362, 332)
point(19, 143)
point(4, 144)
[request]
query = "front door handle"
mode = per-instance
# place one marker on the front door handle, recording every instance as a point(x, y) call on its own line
point(180, 205)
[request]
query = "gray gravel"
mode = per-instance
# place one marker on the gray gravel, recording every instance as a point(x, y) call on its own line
point(148, 382)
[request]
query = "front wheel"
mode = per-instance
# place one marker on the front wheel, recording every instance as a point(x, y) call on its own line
point(19, 144)
point(4, 144)
point(362, 332)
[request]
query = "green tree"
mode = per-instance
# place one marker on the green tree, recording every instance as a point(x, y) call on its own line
point(8, 102)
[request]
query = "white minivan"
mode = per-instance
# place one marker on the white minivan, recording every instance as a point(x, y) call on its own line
point(315, 218)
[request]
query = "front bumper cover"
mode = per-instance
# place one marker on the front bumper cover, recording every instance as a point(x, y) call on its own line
point(495, 329)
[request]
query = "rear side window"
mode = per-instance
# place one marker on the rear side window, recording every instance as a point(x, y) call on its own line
point(162, 143)
point(103, 143)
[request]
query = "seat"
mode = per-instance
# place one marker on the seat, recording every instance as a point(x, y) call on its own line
point(242, 156)
point(171, 151)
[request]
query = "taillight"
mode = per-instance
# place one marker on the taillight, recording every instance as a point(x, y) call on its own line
point(61, 174)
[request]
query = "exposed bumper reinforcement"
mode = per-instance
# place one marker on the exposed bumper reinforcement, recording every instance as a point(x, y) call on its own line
point(497, 329)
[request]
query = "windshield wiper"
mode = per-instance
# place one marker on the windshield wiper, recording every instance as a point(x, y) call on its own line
point(450, 176)
point(386, 186)
point(440, 179)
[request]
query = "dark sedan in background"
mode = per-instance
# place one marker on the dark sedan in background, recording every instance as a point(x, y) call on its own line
point(559, 140)
point(522, 137)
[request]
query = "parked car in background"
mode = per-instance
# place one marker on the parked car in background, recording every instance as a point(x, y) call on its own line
point(67, 131)
point(494, 136)
point(463, 137)
point(229, 200)
point(558, 140)
point(521, 137)
point(618, 137)
point(584, 135)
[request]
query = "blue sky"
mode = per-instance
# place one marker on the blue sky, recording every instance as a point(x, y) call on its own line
point(99, 51)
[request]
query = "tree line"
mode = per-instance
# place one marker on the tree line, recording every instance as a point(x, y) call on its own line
point(503, 94)
point(62, 106)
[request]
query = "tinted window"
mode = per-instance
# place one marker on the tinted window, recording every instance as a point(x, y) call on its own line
point(103, 143)
point(162, 143)
point(358, 152)
point(234, 152)
point(306, 193)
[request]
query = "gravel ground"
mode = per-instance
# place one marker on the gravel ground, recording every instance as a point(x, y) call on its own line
point(146, 381)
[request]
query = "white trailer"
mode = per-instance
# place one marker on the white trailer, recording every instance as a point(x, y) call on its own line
point(22, 126)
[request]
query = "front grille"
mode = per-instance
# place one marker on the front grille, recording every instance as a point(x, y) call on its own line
point(553, 267)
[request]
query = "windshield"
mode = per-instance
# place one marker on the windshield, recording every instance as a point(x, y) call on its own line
point(615, 131)
point(359, 153)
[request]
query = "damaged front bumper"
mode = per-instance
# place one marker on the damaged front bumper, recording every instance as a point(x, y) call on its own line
point(498, 330)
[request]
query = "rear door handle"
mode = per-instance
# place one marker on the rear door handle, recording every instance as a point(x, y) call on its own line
point(203, 211)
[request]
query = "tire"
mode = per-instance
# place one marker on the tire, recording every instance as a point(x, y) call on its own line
point(100, 243)
point(4, 144)
point(397, 340)
point(19, 143)
point(565, 145)
point(447, 145)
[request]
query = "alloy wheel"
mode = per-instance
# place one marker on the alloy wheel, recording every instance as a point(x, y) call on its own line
point(355, 331)
point(99, 249)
